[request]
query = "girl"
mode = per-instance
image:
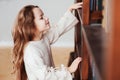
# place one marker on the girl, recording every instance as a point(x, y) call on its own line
point(33, 35)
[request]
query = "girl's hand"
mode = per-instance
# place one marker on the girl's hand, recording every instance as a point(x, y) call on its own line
point(73, 67)
point(75, 6)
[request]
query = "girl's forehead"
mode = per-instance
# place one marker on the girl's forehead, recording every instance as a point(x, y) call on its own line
point(38, 11)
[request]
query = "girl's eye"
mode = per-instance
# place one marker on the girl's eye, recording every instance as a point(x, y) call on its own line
point(41, 17)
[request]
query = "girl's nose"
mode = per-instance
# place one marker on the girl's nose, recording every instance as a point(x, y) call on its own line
point(46, 18)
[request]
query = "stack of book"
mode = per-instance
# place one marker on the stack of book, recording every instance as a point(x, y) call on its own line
point(95, 5)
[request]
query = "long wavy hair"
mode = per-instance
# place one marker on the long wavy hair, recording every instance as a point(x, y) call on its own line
point(23, 32)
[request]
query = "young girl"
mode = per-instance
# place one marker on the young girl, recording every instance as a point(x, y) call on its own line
point(33, 35)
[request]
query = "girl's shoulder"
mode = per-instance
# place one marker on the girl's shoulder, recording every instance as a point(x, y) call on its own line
point(29, 49)
point(28, 46)
point(32, 45)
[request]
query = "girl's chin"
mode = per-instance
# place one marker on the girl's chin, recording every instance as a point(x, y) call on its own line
point(44, 32)
point(47, 29)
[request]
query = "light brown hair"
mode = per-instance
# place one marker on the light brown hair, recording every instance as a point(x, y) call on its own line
point(23, 32)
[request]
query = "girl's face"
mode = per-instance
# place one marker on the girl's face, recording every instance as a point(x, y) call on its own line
point(41, 22)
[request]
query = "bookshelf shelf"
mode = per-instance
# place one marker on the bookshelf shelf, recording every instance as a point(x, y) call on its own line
point(91, 11)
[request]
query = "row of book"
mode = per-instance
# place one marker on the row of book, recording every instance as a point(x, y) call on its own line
point(96, 5)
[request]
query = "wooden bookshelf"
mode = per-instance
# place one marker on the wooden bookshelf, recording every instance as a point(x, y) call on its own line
point(93, 33)
point(103, 41)
point(90, 16)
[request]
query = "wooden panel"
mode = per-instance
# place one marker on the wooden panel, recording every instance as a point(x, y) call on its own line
point(113, 53)
point(86, 12)
point(85, 62)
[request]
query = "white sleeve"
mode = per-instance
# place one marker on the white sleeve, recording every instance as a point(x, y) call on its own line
point(67, 22)
point(34, 66)
point(58, 74)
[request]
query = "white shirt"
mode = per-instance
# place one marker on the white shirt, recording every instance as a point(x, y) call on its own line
point(37, 54)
